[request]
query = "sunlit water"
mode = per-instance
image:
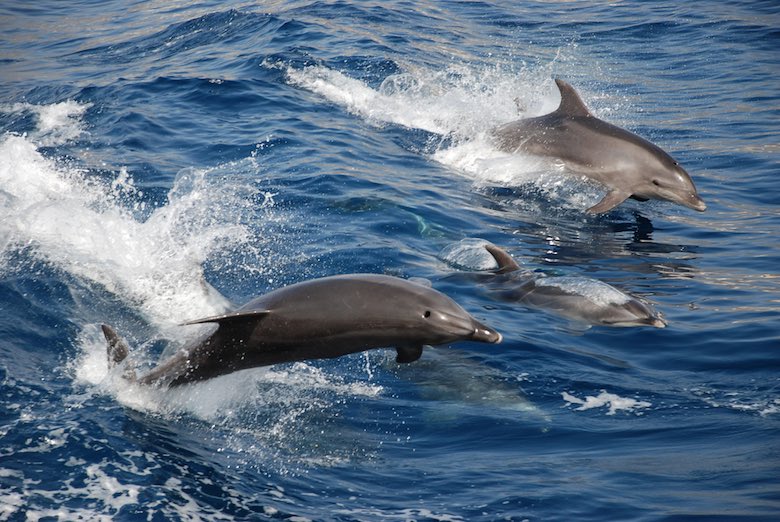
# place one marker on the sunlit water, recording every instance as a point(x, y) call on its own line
point(160, 162)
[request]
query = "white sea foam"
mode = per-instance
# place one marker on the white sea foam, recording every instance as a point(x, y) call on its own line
point(216, 399)
point(80, 224)
point(464, 104)
point(615, 402)
point(459, 100)
point(745, 400)
point(58, 123)
point(103, 494)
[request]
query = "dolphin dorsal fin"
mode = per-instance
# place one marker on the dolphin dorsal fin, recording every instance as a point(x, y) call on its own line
point(230, 318)
point(571, 103)
point(505, 262)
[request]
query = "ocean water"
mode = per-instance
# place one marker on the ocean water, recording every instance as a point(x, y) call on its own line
point(161, 161)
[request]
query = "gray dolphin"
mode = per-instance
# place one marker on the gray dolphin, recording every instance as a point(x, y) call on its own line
point(317, 319)
point(629, 166)
point(579, 298)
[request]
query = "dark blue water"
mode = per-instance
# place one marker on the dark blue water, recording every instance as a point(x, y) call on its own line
point(160, 160)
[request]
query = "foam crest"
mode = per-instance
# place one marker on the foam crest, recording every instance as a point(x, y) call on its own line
point(57, 123)
point(87, 227)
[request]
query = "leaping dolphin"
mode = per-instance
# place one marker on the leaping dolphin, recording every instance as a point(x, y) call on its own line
point(317, 319)
point(628, 165)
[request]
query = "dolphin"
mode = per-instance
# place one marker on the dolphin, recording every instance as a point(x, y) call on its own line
point(578, 298)
point(316, 319)
point(628, 165)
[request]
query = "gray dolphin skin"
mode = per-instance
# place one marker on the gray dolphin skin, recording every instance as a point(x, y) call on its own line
point(628, 165)
point(317, 319)
point(578, 298)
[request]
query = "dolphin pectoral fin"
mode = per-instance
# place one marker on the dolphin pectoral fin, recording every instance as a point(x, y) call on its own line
point(506, 263)
point(408, 353)
point(610, 201)
point(116, 348)
point(230, 318)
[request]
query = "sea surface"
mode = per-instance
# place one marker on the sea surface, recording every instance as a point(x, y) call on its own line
point(165, 161)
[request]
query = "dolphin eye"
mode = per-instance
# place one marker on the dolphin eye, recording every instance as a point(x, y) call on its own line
point(427, 314)
point(656, 183)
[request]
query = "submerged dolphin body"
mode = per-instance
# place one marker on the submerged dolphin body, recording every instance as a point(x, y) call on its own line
point(628, 165)
point(578, 298)
point(318, 319)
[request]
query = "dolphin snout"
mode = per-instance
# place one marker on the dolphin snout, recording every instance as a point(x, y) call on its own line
point(485, 334)
point(696, 203)
point(658, 322)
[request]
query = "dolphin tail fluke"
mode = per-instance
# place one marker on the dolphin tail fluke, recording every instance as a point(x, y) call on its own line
point(610, 201)
point(117, 347)
point(117, 351)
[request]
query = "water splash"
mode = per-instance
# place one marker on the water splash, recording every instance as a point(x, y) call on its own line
point(57, 123)
point(86, 226)
point(462, 104)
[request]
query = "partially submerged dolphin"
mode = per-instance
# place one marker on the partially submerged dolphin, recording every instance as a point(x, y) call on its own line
point(629, 166)
point(317, 319)
point(579, 298)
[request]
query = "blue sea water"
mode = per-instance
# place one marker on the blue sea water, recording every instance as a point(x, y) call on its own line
point(162, 160)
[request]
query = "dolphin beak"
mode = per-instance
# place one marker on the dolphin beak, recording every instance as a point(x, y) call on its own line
point(658, 322)
point(485, 334)
point(696, 203)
